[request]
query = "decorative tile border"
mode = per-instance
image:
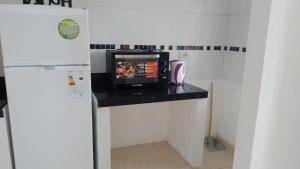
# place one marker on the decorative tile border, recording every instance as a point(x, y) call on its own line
point(234, 48)
point(217, 47)
point(102, 46)
point(189, 48)
point(144, 47)
point(244, 49)
point(168, 47)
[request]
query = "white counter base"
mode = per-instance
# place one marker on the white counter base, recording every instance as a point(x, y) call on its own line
point(186, 125)
point(103, 140)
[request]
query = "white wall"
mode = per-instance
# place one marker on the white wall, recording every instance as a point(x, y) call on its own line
point(226, 110)
point(138, 124)
point(168, 22)
point(258, 28)
point(268, 136)
point(227, 90)
point(9, 1)
point(226, 103)
point(277, 133)
point(237, 27)
point(186, 129)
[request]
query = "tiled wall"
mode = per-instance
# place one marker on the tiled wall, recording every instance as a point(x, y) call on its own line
point(192, 30)
point(228, 89)
point(237, 26)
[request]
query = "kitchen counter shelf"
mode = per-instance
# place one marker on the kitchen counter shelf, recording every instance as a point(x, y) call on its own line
point(108, 96)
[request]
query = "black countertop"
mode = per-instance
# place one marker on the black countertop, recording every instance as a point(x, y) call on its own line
point(108, 96)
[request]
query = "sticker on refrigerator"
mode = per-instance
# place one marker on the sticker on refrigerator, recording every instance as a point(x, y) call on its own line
point(75, 84)
point(68, 29)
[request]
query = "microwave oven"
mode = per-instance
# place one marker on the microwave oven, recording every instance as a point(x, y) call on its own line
point(138, 68)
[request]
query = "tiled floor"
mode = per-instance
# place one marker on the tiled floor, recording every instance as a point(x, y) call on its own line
point(162, 156)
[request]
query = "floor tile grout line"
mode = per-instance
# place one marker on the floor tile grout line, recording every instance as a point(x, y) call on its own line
point(159, 148)
point(164, 157)
point(175, 152)
point(230, 166)
point(121, 159)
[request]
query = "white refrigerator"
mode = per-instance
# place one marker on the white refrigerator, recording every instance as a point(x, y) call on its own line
point(46, 61)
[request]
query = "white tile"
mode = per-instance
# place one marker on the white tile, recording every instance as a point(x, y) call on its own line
point(190, 6)
point(233, 69)
point(98, 20)
point(132, 4)
point(204, 167)
point(10, 1)
point(227, 167)
point(156, 27)
point(213, 29)
point(238, 29)
point(193, 62)
point(210, 65)
point(162, 5)
point(186, 29)
point(98, 61)
point(124, 25)
point(218, 7)
point(84, 3)
point(162, 156)
point(143, 156)
point(239, 6)
point(137, 150)
point(174, 55)
point(203, 65)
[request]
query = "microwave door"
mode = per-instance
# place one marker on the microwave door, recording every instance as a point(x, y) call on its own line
point(136, 69)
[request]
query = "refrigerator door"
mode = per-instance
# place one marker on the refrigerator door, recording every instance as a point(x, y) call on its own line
point(51, 117)
point(43, 35)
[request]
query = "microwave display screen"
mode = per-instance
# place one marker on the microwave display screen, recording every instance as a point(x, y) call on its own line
point(143, 68)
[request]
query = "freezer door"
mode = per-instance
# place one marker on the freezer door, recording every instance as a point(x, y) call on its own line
point(31, 35)
point(51, 117)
